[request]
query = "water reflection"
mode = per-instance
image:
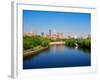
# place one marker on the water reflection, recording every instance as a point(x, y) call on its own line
point(58, 56)
point(85, 50)
point(59, 47)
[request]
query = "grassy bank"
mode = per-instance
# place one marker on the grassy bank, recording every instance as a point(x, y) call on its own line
point(34, 44)
point(34, 51)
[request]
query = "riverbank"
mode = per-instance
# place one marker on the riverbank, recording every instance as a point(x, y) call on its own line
point(81, 43)
point(34, 51)
point(57, 42)
point(39, 48)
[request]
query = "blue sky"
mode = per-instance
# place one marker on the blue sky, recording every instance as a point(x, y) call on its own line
point(69, 23)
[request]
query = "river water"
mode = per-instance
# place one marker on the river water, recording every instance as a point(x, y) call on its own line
point(58, 56)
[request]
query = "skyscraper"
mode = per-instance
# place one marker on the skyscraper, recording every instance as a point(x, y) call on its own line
point(50, 32)
point(42, 33)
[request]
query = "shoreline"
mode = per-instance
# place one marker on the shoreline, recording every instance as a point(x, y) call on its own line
point(57, 43)
point(33, 52)
point(30, 52)
point(39, 48)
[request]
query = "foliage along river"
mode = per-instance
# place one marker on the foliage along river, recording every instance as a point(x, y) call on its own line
point(58, 56)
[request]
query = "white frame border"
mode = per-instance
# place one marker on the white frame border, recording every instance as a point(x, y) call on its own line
point(17, 70)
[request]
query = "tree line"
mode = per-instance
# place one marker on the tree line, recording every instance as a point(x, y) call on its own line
point(82, 43)
point(34, 41)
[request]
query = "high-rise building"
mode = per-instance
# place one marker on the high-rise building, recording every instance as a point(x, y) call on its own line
point(42, 33)
point(50, 32)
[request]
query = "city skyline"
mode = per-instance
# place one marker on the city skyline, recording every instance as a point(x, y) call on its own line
point(68, 23)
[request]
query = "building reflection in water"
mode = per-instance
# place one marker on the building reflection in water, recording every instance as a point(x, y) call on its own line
point(57, 47)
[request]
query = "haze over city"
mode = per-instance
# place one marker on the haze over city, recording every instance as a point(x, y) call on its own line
point(67, 23)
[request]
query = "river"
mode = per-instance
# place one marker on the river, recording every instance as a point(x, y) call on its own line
point(58, 56)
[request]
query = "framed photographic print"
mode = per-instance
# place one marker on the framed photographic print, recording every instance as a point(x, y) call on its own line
point(50, 40)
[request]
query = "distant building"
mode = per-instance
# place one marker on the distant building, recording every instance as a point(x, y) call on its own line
point(60, 35)
point(50, 32)
point(75, 36)
point(42, 33)
point(72, 36)
point(57, 35)
point(29, 34)
point(89, 36)
point(54, 36)
point(68, 36)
